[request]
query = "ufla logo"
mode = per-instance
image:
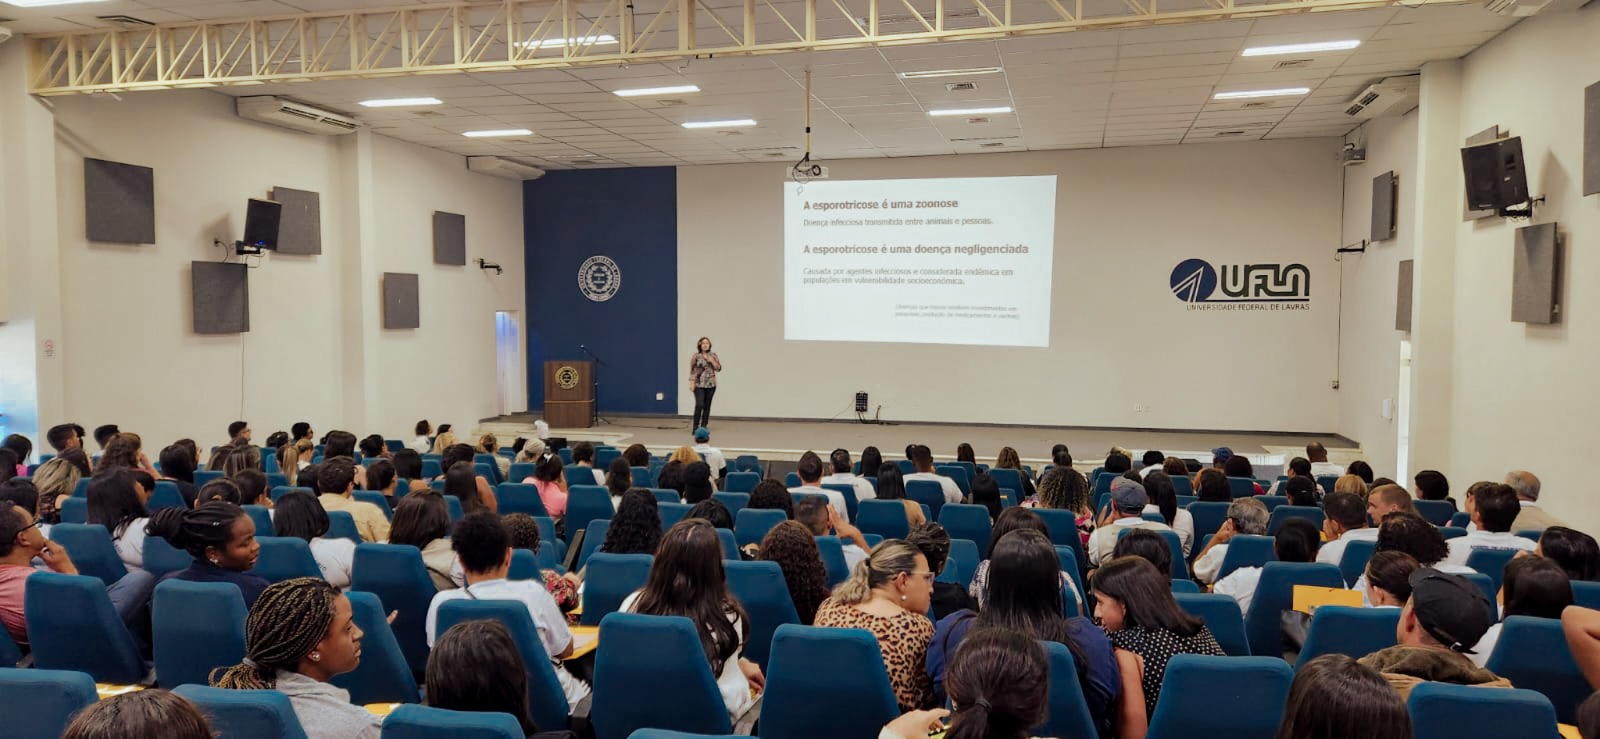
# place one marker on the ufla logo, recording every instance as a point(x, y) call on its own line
point(599, 278)
point(1194, 281)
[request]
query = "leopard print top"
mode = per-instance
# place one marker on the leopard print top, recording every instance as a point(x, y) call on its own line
point(904, 641)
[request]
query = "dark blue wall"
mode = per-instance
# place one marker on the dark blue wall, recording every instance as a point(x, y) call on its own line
point(631, 216)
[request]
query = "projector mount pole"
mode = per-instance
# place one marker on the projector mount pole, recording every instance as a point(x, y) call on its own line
point(804, 170)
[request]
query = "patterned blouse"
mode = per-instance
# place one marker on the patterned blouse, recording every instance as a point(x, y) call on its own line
point(703, 368)
point(1156, 647)
point(903, 639)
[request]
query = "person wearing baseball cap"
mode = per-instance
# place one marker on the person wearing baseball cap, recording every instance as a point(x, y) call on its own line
point(1220, 456)
point(712, 455)
point(1125, 511)
point(1440, 625)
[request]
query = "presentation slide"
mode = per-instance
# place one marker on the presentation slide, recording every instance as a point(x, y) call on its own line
point(931, 261)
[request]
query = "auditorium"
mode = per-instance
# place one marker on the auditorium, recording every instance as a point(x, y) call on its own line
point(1099, 369)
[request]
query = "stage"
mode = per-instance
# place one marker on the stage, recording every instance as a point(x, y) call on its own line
point(785, 441)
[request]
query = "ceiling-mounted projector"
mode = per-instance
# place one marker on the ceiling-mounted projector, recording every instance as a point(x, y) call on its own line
point(500, 167)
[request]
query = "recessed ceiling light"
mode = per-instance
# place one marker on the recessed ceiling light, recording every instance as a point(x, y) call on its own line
point(970, 111)
point(399, 102)
point(926, 74)
point(496, 132)
point(600, 40)
point(46, 3)
point(737, 122)
point(670, 90)
point(1242, 94)
point(1345, 45)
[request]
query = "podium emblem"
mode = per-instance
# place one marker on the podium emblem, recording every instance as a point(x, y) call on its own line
point(567, 377)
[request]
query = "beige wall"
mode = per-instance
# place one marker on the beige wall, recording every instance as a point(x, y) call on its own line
point(1119, 339)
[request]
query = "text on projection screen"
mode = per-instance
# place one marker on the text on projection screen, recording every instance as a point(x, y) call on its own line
point(929, 261)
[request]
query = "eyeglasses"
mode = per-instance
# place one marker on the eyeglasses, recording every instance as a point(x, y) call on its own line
point(928, 575)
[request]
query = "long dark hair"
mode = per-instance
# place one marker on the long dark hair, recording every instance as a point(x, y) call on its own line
point(1535, 586)
point(1146, 594)
point(420, 518)
point(964, 453)
point(1159, 487)
point(475, 666)
point(1334, 697)
point(986, 492)
point(619, 477)
point(1024, 591)
point(1574, 550)
point(687, 579)
point(140, 713)
point(697, 482)
point(792, 546)
point(299, 515)
point(871, 460)
point(462, 481)
point(1145, 543)
point(998, 680)
point(891, 483)
point(113, 501)
point(1212, 486)
point(177, 462)
point(1016, 519)
point(636, 526)
point(671, 477)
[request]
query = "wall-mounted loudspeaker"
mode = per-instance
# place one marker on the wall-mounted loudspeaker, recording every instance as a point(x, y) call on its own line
point(1495, 175)
point(861, 402)
point(1536, 275)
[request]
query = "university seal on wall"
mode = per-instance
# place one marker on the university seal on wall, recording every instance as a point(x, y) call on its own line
point(599, 278)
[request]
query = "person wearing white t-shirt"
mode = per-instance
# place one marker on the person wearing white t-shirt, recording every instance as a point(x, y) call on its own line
point(1126, 512)
point(1534, 586)
point(712, 455)
point(1494, 511)
point(1344, 520)
point(840, 460)
point(810, 471)
point(483, 545)
point(1160, 491)
point(1320, 466)
point(1298, 467)
point(922, 458)
point(583, 456)
point(1297, 540)
point(1414, 537)
point(423, 443)
point(1153, 461)
point(1246, 516)
point(300, 516)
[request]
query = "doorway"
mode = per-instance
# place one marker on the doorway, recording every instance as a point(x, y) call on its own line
point(1402, 414)
point(507, 360)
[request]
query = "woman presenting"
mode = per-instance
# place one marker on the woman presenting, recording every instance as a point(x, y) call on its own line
point(703, 369)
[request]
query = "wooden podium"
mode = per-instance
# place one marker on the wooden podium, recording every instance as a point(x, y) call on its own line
point(569, 394)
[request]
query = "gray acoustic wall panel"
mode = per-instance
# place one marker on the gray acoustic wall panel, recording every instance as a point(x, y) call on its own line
point(449, 238)
point(1591, 140)
point(1536, 275)
point(400, 301)
point(221, 297)
point(300, 225)
point(119, 202)
point(1402, 297)
point(1482, 137)
point(1384, 196)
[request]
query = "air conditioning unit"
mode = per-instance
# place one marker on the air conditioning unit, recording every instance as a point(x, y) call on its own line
point(1389, 97)
point(498, 167)
point(298, 116)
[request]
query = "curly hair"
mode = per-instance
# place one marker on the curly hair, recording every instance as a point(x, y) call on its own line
point(772, 495)
point(524, 531)
point(1064, 488)
point(636, 527)
point(791, 545)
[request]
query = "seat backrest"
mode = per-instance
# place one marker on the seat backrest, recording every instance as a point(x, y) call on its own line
point(664, 653)
point(1208, 518)
point(928, 493)
point(196, 628)
point(1286, 512)
point(453, 505)
point(970, 522)
point(1275, 594)
point(261, 516)
point(1355, 632)
point(791, 480)
point(285, 558)
point(760, 587)
point(1179, 570)
point(376, 498)
point(1068, 711)
point(1007, 478)
point(10, 653)
point(282, 490)
point(425, 722)
point(1447, 711)
point(741, 482)
point(963, 560)
point(832, 551)
point(586, 503)
point(395, 573)
point(735, 502)
point(1246, 551)
point(523, 470)
point(547, 704)
point(1185, 586)
point(1184, 487)
point(1451, 532)
point(487, 470)
point(575, 474)
point(1273, 501)
point(166, 495)
point(1241, 487)
point(804, 674)
point(383, 675)
point(38, 704)
point(848, 492)
point(1254, 690)
point(1532, 653)
point(666, 496)
point(609, 581)
point(642, 477)
point(1586, 594)
point(72, 626)
point(957, 473)
point(592, 540)
point(547, 558)
point(886, 518)
point(89, 545)
point(752, 525)
point(245, 714)
point(1491, 562)
point(1222, 617)
point(1436, 512)
point(672, 513)
point(730, 545)
point(1353, 563)
point(1069, 565)
point(342, 525)
point(1063, 527)
point(1460, 519)
point(748, 463)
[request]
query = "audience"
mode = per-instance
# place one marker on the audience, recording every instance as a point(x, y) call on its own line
point(809, 470)
point(1008, 459)
point(1432, 485)
point(583, 456)
point(965, 453)
point(1495, 510)
point(1126, 511)
point(549, 478)
point(1533, 586)
point(525, 534)
point(117, 502)
point(671, 478)
point(1344, 520)
point(300, 516)
point(986, 492)
point(948, 597)
point(697, 482)
point(56, 479)
point(687, 579)
point(296, 456)
point(1388, 578)
point(373, 447)
point(422, 520)
point(922, 459)
point(444, 440)
point(1147, 544)
point(1351, 484)
point(1211, 486)
point(821, 520)
point(300, 635)
point(1362, 470)
point(222, 489)
point(221, 538)
point(1133, 602)
point(771, 495)
point(253, 487)
point(636, 527)
point(794, 548)
point(1164, 502)
point(1320, 467)
point(1387, 499)
point(137, 714)
point(1117, 463)
point(488, 444)
point(1237, 465)
point(891, 486)
point(1014, 519)
point(1065, 489)
point(337, 482)
point(636, 455)
point(1336, 697)
point(463, 454)
point(1246, 516)
point(422, 444)
point(1302, 491)
point(999, 683)
point(714, 512)
point(1575, 551)
point(1530, 516)
point(619, 477)
point(483, 544)
point(177, 466)
point(475, 666)
point(1297, 467)
point(710, 454)
point(21, 542)
point(839, 462)
point(888, 595)
point(1296, 541)
point(1444, 619)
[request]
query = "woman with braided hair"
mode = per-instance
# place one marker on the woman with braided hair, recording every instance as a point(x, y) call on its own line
point(222, 539)
point(298, 637)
